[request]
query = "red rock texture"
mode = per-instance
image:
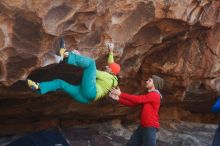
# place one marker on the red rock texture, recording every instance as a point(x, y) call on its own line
point(177, 39)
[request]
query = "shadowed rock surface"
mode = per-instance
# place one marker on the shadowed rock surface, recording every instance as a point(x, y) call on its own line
point(114, 134)
point(177, 39)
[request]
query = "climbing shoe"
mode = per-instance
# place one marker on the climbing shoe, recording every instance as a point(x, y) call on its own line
point(63, 52)
point(62, 43)
point(33, 85)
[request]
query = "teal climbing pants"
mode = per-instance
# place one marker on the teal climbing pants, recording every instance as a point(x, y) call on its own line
point(82, 93)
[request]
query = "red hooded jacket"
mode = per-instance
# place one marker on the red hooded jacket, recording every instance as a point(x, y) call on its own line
point(150, 106)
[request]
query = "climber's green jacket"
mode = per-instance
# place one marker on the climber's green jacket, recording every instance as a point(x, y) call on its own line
point(104, 80)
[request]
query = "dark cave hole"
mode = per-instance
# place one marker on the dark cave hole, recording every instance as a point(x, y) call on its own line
point(66, 72)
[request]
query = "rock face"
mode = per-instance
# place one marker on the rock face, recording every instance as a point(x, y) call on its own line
point(176, 39)
point(114, 134)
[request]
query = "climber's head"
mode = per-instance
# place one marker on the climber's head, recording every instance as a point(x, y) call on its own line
point(154, 82)
point(113, 68)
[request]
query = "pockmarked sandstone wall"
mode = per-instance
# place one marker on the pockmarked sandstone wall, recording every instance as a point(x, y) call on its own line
point(176, 39)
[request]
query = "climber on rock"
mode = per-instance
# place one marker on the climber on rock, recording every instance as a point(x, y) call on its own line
point(95, 84)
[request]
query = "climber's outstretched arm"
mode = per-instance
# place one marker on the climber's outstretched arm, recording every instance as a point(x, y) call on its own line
point(110, 47)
